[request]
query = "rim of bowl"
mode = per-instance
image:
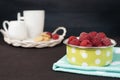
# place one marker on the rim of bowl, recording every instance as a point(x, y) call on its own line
point(112, 41)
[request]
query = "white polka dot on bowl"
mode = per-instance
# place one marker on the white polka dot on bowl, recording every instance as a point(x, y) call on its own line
point(84, 55)
point(97, 61)
point(73, 50)
point(98, 52)
point(84, 64)
point(73, 59)
point(108, 54)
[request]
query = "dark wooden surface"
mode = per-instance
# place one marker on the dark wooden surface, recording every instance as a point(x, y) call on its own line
point(18, 63)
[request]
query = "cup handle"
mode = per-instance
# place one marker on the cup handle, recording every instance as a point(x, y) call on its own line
point(19, 17)
point(5, 23)
point(60, 28)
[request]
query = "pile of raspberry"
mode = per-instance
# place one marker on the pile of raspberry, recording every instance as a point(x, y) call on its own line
point(53, 36)
point(91, 39)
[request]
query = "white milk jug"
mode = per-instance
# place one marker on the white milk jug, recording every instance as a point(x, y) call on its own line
point(16, 29)
point(34, 21)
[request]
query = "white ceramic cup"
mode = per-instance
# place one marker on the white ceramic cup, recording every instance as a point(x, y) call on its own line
point(34, 21)
point(15, 29)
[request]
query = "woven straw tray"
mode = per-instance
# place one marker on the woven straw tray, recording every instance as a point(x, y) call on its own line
point(29, 43)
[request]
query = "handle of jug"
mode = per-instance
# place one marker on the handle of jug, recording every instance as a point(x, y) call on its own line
point(19, 17)
point(5, 25)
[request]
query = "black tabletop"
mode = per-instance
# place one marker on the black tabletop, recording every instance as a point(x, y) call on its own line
point(18, 63)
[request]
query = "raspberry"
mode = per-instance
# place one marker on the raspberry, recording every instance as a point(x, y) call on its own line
point(96, 41)
point(74, 42)
point(71, 38)
point(92, 34)
point(100, 45)
point(55, 36)
point(101, 35)
point(86, 43)
point(49, 33)
point(106, 41)
point(84, 36)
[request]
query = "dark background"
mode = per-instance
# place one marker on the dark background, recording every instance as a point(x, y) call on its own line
point(75, 15)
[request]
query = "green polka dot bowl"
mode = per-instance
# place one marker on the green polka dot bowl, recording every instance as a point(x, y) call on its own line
point(89, 56)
